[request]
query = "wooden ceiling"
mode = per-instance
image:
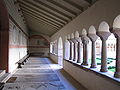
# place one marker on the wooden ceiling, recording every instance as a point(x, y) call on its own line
point(49, 16)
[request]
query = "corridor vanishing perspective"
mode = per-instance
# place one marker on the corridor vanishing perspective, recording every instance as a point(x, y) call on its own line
point(40, 74)
point(81, 37)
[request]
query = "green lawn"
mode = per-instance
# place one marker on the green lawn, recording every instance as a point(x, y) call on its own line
point(109, 60)
point(113, 70)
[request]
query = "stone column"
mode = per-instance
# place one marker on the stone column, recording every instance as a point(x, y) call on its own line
point(104, 36)
point(85, 41)
point(78, 49)
point(75, 48)
point(93, 38)
point(70, 57)
point(4, 49)
point(116, 32)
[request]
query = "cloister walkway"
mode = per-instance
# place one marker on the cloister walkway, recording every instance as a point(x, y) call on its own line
point(41, 74)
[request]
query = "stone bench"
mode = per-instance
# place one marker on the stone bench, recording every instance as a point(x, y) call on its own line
point(1, 86)
point(22, 61)
point(37, 54)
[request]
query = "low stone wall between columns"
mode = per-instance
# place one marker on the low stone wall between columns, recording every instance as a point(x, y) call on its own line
point(54, 57)
point(90, 79)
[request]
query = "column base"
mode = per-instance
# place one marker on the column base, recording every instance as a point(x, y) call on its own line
point(86, 64)
point(117, 74)
point(104, 69)
point(93, 66)
point(70, 58)
point(74, 60)
point(78, 61)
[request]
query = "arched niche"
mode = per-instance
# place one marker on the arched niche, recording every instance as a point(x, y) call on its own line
point(116, 22)
point(103, 27)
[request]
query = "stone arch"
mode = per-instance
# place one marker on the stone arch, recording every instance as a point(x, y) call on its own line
point(84, 32)
point(51, 47)
point(111, 40)
point(116, 22)
point(72, 35)
point(67, 48)
point(76, 34)
point(68, 36)
point(103, 27)
point(92, 49)
point(60, 51)
point(4, 37)
point(92, 30)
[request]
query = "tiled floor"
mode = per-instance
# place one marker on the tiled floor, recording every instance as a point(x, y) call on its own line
point(41, 74)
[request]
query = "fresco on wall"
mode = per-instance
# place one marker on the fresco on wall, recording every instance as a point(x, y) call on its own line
point(38, 45)
point(17, 45)
point(38, 41)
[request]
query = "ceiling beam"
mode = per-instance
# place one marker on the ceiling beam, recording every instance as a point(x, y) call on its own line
point(35, 15)
point(41, 13)
point(29, 10)
point(32, 21)
point(45, 10)
point(55, 10)
point(89, 1)
point(39, 20)
point(63, 7)
point(74, 5)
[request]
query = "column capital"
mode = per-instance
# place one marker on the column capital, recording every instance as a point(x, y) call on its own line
point(73, 40)
point(103, 35)
point(93, 37)
point(85, 39)
point(69, 40)
point(116, 32)
point(78, 39)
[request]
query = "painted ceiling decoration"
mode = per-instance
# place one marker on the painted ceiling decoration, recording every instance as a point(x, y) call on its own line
point(49, 16)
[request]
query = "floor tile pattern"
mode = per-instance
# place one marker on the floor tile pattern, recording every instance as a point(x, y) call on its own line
point(36, 74)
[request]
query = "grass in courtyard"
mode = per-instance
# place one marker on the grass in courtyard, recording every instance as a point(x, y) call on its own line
point(109, 61)
point(113, 70)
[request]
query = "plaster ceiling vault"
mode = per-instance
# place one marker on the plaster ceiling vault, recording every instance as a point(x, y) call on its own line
point(49, 16)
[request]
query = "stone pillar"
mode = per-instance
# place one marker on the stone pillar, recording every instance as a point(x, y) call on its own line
point(70, 57)
point(78, 49)
point(4, 37)
point(4, 50)
point(93, 38)
point(75, 49)
point(104, 36)
point(116, 32)
point(85, 41)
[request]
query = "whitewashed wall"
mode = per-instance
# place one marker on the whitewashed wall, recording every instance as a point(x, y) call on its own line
point(17, 39)
point(17, 46)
